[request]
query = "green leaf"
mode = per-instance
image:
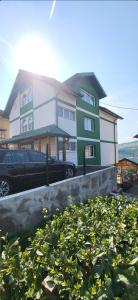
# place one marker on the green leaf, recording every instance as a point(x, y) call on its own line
point(39, 253)
point(133, 261)
point(122, 278)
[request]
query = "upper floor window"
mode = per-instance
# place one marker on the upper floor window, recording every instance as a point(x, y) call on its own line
point(89, 124)
point(26, 97)
point(27, 123)
point(90, 151)
point(2, 134)
point(66, 113)
point(88, 97)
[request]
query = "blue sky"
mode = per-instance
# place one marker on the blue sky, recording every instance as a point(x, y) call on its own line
point(95, 36)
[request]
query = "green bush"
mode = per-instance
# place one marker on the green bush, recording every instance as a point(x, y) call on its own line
point(85, 252)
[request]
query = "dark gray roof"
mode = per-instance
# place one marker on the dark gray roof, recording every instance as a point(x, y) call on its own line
point(110, 112)
point(91, 75)
point(51, 130)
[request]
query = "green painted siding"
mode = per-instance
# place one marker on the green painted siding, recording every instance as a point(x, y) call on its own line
point(81, 132)
point(26, 108)
point(89, 161)
point(86, 85)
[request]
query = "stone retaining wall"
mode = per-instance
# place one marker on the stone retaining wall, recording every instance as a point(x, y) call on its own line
point(23, 211)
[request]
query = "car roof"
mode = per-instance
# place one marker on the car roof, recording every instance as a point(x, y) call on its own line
point(29, 150)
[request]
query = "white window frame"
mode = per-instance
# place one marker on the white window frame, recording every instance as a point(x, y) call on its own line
point(26, 97)
point(66, 111)
point(88, 98)
point(25, 124)
point(88, 151)
point(70, 146)
point(89, 124)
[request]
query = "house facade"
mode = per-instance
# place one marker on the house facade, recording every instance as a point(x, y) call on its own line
point(66, 116)
point(127, 164)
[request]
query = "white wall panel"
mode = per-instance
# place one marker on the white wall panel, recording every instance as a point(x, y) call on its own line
point(106, 130)
point(15, 111)
point(15, 128)
point(107, 154)
point(45, 115)
point(67, 125)
point(67, 97)
point(42, 92)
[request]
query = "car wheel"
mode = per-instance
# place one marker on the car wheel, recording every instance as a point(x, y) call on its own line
point(5, 187)
point(69, 172)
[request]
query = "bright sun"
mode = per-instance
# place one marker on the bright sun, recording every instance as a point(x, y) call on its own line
point(35, 55)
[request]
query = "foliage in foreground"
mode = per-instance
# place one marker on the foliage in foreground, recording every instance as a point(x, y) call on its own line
point(86, 252)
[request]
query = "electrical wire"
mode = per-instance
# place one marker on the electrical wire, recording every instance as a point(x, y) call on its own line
point(121, 107)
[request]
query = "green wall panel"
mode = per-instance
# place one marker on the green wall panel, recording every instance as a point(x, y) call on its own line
point(26, 108)
point(86, 85)
point(89, 161)
point(81, 132)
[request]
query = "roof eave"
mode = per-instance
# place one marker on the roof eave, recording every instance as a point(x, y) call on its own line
point(101, 92)
point(106, 110)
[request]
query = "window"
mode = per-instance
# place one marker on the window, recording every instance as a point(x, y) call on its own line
point(8, 157)
point(90, 151)
point(60, 146)
point(60, 111)
point(2, 134)
point(27, 123)
point(70, 146)
point(26, 97)
point(88, 98)
point(89, 124)
point(21, 157)
point(38, 157)
point(72, 115)
point(66, 113)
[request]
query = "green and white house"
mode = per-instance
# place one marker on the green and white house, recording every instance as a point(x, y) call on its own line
point(66, 116)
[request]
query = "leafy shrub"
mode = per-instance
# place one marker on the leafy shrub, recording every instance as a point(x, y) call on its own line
point(85, 252)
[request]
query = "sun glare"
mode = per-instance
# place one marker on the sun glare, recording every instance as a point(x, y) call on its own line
point(35, 55)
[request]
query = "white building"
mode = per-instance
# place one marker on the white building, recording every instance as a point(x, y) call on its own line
point(66, 116)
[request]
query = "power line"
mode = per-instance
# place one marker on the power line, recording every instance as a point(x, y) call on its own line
point(122, 107)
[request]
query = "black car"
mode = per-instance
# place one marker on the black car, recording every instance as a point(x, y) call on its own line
point(22, 169)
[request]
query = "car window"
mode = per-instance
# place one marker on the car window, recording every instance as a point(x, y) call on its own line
point(8, 157)
point(38, 157)
point(21, 156)
point(1, 156)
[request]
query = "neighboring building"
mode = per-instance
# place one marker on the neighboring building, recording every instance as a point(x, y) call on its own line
point(65, 115)
point(108, 136)
point(127, 163)
point(4, 126)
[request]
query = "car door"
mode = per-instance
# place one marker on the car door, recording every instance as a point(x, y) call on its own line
point(37, 168)
point(15, 169)
point(55, 170)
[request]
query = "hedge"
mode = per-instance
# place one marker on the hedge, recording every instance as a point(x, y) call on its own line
point(86, 252)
